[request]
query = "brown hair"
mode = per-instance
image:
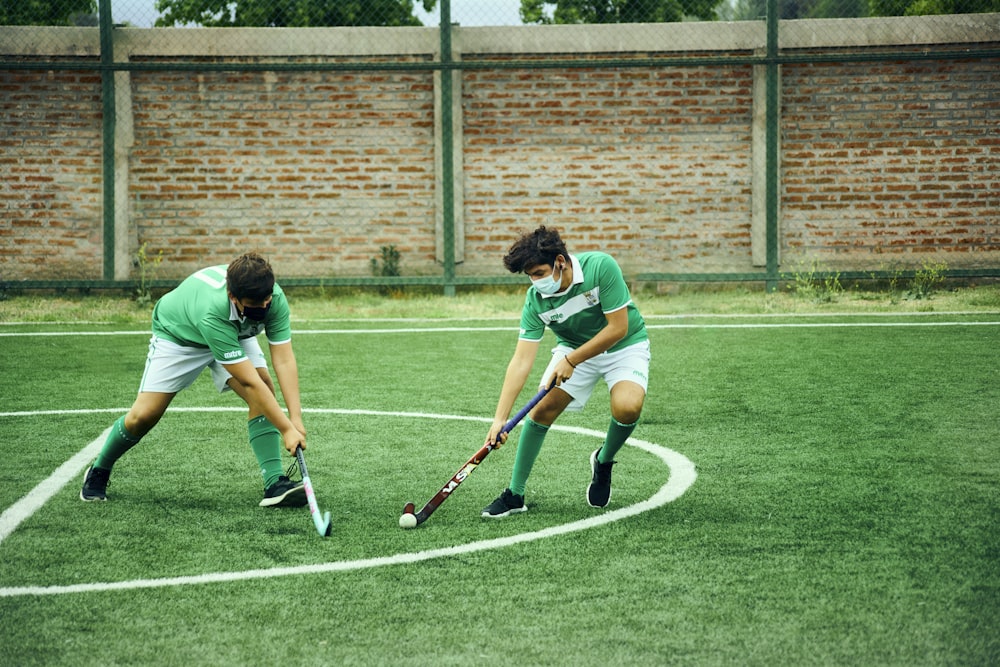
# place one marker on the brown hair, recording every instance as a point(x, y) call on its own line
point(541, 246)
point(250, 276)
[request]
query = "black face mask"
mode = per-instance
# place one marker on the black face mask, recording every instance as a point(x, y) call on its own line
point(256, 313)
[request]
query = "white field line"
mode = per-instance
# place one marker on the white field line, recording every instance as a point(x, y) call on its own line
point(676, 316)
point(682, 476)
point(923, 313)
point(38, 496)
point(25, 507)
point(413, 330)
point(820, 325)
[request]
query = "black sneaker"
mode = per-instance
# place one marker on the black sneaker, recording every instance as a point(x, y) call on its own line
point(599, 489)
point(507, 503)
point(284, 493)
point(95, 484)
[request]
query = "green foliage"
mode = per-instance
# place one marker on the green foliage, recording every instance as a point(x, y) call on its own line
point(928, 7)
point(928, 278)
point(45, 12)
point(894, 282)
point(802, 9)
point(388, 262)
point(616, 11)
point(147, 266)
point(386, 265)
point(288, 13)
point(819, 9)
point(810, 282)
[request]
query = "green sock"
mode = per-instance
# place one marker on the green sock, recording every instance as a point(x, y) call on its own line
point(530, 443)
point(265, 441)
point(118, 442)
point(618, 433)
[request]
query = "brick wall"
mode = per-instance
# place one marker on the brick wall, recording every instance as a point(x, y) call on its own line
point(888, 163)
point(315, 169)
point(884, 164)
point(651, 165)
point(50, 191)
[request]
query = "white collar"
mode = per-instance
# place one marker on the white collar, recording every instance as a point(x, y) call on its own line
point(577, 278)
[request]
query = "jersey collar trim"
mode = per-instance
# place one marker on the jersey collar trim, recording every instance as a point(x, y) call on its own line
point(577, 278)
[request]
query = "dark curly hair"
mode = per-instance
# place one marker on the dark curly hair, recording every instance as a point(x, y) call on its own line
point(250, 277)
point(541, 246)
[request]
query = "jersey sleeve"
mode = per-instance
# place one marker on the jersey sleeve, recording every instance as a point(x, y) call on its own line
point(614, 289)
point(278, 327)
point(532, 326)
point(221, 337)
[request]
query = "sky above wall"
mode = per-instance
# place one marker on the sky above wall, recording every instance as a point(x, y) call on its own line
point(142, 13)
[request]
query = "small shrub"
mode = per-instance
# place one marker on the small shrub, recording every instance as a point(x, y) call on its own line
point(812, 283)
point(386, 265)
point(928, 279)
point(147, 266)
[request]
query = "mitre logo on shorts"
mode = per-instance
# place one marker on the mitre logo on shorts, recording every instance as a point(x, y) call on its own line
point(233, 354)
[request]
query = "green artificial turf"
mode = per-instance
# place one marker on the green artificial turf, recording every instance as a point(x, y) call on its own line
point(846, 509)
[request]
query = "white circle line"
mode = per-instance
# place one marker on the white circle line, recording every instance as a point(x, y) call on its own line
point(682, 476)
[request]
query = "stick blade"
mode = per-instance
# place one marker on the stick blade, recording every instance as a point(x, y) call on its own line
point(323, 526)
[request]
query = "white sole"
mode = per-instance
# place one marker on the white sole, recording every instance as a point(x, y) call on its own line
point(487, 515)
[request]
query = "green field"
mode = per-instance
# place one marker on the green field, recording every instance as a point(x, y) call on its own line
point(846, 509)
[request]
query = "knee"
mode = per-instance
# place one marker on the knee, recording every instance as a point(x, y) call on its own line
point(544, 415)
point(140, 420)
point(626, 412)
point(627, 415)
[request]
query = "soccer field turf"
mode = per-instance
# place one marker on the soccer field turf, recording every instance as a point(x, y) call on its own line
point(846, 509)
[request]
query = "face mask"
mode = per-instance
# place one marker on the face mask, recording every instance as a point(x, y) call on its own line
point(548, 285)
point(256, 313)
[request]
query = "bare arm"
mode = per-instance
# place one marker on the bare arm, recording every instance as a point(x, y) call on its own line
point(261, 400)
point(287, 370)
point(517, 373)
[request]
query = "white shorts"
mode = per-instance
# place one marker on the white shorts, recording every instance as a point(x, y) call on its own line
point(171, 367)
point(630, 363)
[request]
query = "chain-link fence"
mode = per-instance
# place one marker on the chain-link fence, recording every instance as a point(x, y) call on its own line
point(695, 139)
point(469, 13)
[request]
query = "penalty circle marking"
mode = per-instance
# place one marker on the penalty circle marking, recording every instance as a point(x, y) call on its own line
point(682, 476)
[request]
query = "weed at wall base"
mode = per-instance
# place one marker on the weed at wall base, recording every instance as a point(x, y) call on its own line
point(147, 266)
point(928, 279)
point(387, 265)
point(811, 282)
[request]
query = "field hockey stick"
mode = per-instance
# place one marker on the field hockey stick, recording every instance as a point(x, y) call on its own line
point(466, 470)
point(322, 522)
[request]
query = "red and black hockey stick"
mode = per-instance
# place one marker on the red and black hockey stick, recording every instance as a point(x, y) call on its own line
point(466, 469)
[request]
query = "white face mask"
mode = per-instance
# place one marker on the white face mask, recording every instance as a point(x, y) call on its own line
point(548, 285)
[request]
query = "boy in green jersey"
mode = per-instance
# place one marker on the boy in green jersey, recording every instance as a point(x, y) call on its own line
point(211, 320)
point(600, 334)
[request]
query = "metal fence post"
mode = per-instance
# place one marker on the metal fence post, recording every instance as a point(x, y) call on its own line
point(108, 136)
point(773, 127)
point(447, 153)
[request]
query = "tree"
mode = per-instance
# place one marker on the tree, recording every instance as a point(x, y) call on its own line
point(824, 9)
point(45, 12)
point(925, 7)
point(288, 13)
point(617, 11)
point(802, 9)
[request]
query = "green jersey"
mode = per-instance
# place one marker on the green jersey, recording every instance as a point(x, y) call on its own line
point(198, 313)
point(578, 314)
